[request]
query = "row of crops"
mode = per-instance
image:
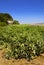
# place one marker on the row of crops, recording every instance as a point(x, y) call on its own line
point(22, 41)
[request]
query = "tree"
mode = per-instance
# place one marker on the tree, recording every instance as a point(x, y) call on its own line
point(4, 17)
point(15, 22)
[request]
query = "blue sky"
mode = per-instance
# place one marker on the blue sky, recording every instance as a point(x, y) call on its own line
point(25, 11)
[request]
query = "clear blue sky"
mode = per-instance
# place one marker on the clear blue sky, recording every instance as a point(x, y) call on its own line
point(26, 11)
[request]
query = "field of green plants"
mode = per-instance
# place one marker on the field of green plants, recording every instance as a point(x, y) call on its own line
point(22, 41)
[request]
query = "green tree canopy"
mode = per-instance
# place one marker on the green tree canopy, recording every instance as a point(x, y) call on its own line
point(16, 22)
point(5, 16)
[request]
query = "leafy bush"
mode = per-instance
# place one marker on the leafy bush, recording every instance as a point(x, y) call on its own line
point(15, 22)
point(3, 23)
point(24, 41)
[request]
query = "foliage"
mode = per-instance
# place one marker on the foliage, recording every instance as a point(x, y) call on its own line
point(15, 22)
point(4, 17)
point(24, 41)
point(3, 23)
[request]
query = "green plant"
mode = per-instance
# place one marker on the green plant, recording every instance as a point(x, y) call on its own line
point(24, 41)
point(15, 22)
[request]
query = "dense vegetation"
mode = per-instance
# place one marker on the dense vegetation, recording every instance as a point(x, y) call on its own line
point(22, 41)
point(16, 22)
point(4, 17)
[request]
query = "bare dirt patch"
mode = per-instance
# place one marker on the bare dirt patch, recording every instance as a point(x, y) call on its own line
point(37, 61)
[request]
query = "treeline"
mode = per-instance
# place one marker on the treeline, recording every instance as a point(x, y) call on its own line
point(4, 17)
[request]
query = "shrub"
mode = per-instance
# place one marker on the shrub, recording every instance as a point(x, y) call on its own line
point(15, 22)
point(24, 41)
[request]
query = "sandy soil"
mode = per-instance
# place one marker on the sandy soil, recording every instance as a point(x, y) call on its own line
point(37, 61)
